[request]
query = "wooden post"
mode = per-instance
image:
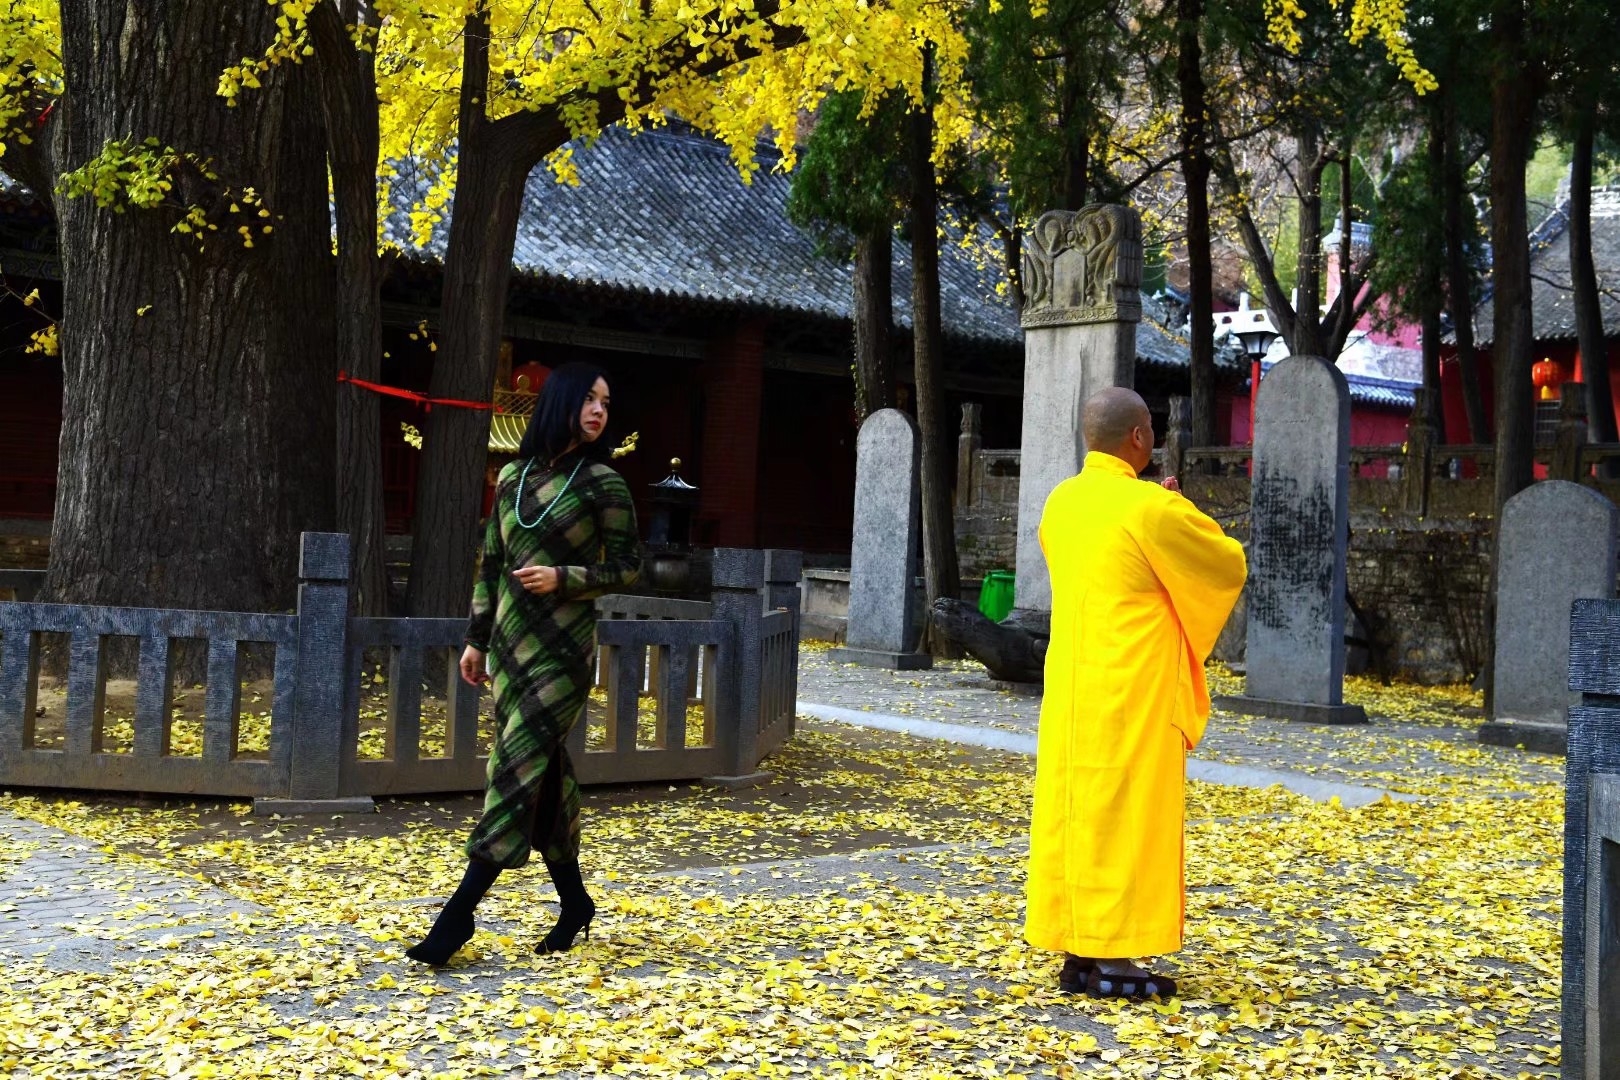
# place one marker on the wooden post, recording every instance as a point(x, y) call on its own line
point(1571, 434)
point(1418, 466)
point(1177, 435)
point(967, 456)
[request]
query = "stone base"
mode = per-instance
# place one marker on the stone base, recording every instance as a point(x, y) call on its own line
point(894, 661)
point(349, 804)
point(1543, 738)
point(822, 628)
point(738, 783)
point(1300, 711)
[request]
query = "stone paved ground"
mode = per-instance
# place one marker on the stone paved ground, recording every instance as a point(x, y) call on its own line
point(897, 954)
point(1438, 755)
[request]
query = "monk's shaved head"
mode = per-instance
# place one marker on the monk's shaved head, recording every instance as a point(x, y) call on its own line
point(1109, 416)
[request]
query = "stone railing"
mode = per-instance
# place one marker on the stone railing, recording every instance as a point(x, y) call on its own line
point(696, 689)
point(337, 732)
point(1419, 465)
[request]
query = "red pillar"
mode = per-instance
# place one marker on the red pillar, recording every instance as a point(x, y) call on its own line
point(1254, 394)
point(733, 376)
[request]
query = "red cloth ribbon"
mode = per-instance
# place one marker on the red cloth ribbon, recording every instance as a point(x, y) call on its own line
point(423, 400)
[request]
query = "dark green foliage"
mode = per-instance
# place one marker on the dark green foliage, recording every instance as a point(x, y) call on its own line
point(851, 176)
point(1409, 236)
point(1044, 89)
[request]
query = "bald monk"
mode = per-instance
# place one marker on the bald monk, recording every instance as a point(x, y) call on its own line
point(1142, 582)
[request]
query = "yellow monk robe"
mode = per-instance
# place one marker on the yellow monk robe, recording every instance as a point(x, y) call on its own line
point(1142, 582)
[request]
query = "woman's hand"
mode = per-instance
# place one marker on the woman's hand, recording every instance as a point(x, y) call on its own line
point(539, 580)
point(472, 667)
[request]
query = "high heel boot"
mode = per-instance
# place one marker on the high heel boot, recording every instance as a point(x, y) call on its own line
point(578, 909)
point(454, 926)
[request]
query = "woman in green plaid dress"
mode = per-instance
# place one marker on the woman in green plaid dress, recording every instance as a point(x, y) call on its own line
point(561, 533)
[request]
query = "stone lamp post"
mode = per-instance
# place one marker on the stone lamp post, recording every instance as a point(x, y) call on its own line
point(668, 548)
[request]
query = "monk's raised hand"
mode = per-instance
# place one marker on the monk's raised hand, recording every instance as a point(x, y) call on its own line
point(1170, 483)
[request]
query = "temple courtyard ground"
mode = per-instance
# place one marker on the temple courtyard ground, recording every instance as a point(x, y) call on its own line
point(1375, 901)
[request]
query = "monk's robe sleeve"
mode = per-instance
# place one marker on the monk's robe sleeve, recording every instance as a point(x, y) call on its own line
point(1202, 570)
point(620, 564)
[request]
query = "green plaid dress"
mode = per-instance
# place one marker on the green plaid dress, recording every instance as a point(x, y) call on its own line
point(541, 648)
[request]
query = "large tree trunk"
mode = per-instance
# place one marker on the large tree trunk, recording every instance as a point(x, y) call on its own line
point(198, 417)
point(1076, 165)
point(940, 573)
point(1459, 281)
point(1600, 420)
point(349, 106)
point(490, 180)
point(874, 322)
point(494, 159)
point(1195, 172)
point(1307, 339)
point(1512, 129)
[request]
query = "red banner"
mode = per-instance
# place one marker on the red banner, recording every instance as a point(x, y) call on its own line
point(423, 400)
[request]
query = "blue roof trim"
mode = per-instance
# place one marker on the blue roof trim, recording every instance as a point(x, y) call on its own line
point(1379, 393)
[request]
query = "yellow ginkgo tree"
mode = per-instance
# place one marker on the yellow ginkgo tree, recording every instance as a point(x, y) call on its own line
point(207, 152)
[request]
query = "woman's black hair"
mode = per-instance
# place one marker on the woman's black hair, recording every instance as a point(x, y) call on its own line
point(555, 422)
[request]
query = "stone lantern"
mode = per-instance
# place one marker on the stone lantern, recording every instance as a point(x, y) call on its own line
point(668, 550)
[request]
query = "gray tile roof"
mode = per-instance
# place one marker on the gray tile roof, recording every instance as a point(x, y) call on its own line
point(1552, 298)
point(665, 214)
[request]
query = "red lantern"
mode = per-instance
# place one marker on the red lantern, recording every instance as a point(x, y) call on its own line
point(1547, 375)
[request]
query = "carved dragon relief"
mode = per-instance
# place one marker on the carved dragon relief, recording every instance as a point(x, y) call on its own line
point(1083, 266)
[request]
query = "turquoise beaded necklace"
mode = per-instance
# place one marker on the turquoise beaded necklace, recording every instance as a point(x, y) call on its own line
point(523, 482)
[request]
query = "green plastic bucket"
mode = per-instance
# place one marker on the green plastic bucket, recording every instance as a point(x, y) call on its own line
point(996, 595)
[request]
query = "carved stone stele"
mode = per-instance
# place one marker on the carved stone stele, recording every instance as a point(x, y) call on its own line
point(1083, 266)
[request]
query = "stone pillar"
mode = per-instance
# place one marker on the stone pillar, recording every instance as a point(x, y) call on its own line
point(316, 756)
point(1299, 535)
point(884, 623)
point(739, 581)
point(1556, 545)
point(967, 452)
point(1591, 968)
point(1082, 285)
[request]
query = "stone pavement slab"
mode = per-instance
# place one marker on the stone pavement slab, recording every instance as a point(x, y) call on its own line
point(60, 892)
point(900, 960)
point(1392, 753)
point(1211, 772)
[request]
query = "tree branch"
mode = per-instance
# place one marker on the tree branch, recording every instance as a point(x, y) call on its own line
point(32, 163)
point(1276, 299)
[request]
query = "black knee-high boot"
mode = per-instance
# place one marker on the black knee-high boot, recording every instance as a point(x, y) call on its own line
point(454, 926)
point(578, 909)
